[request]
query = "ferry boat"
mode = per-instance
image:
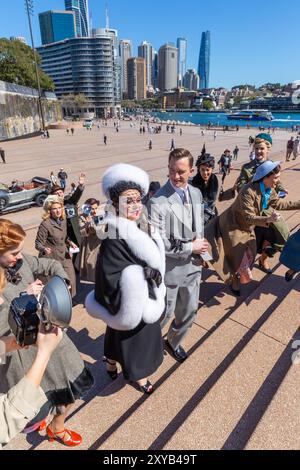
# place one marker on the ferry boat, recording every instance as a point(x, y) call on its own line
point(251, 115)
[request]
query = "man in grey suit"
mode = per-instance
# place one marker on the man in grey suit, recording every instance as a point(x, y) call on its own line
point(177, 211)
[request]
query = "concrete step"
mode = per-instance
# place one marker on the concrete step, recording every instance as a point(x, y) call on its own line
point(108, 420)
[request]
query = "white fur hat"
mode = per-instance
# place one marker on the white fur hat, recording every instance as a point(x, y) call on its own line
point(122, 172)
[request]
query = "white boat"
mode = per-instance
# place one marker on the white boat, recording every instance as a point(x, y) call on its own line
point(251, 115)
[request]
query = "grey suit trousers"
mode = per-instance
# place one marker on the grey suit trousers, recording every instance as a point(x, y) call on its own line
point(183, 303)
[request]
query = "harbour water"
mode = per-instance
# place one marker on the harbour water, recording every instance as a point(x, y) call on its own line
point(282, 120)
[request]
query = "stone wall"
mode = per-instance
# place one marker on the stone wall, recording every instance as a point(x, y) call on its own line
point(19, 110)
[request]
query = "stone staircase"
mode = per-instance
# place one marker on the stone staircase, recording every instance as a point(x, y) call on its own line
point(237, 390)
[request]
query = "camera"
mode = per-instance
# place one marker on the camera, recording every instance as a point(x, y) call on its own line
point(52, 308)
point(87, 210)
point(70, 212)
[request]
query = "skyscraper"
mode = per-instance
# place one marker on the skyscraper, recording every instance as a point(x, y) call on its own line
point(56, 26)
point(81, 9)
point(204, 60)
point(136, 71)
point(191, 80)
point(182, 56)
point(155, 69)
point(125, 50)
point(145, 50)
point(167, 67)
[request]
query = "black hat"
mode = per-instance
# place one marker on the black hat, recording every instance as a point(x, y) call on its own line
point(55, 188)
point(154, 186)
point(206, 159)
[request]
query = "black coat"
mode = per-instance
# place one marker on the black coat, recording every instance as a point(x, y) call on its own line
point(209, 193)
point(129, 302)
point(70, 202)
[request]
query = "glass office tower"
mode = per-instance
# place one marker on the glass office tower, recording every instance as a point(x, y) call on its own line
point(182, 56)
point(56, 26)
point(81, 10)
point(204, 61)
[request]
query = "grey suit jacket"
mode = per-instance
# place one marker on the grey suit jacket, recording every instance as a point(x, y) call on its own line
point(172, 219)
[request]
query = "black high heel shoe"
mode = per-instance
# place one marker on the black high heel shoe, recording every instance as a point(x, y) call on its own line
point(148, 388)
point(112, 373)
point(270, 251)
point(289, 275)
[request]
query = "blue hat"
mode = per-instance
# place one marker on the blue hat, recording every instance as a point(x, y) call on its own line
point(264, 169)
point(265, 136)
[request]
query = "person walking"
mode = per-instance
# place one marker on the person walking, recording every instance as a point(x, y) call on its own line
point(105, 139)
point(150, 145)
point(176, 211)
point(225, 164)
point(172, 145)
point(62, 176)
point(289, 149)
point(208, 184)
point(236, 153)
point(130, 292)
point(215, 135)
point(296, 148)
point(53, 179)
point(2, 155)
point(72, 130)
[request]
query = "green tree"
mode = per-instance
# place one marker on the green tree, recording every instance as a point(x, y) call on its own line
point(81, 100)
point(207, 105)
point(17, 65)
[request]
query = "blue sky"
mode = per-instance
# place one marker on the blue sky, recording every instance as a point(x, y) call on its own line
point(253, 41)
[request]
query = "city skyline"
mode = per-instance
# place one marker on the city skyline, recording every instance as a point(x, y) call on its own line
point(239, 54)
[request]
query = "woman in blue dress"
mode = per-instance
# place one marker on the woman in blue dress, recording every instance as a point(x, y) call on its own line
point(290, 256)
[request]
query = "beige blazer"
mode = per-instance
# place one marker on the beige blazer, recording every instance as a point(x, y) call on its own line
point(18, 407)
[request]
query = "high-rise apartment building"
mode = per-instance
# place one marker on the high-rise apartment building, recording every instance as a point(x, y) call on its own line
point(182, 58)
point(191, 80)
point(136, 72)
point(125, 51)
point(204, 61)
point(145, 50)
point(113, 35)
point(81, 10)
point(83, 65)
point(167, 67)
point(56, 26)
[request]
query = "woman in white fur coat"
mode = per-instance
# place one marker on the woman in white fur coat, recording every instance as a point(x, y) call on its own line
point(129, 291)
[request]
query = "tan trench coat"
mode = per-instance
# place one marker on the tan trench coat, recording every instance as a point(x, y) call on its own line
point(89, 249)
point(233, 231)
point(21, 404)
point(54, 236)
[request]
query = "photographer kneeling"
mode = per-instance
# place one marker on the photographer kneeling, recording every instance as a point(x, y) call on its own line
point(66, 378)
point(24, 401)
